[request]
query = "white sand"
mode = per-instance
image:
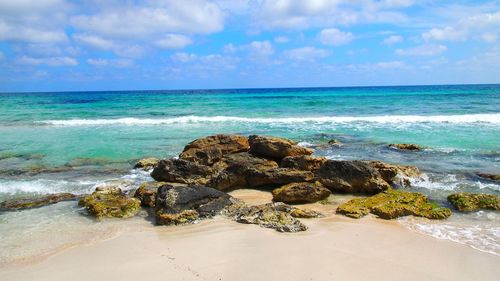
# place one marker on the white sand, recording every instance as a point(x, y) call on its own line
point(334, 248)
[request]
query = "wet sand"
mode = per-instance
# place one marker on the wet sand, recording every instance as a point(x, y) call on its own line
point(334, 248)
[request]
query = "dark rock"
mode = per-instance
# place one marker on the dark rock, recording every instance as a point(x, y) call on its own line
point(303, 192)
point(395, 174)
point(351, 177)
point(491, 177)
point(278, 176)
point(469, 202)
point(146, 163)
point(405, 146)
point(110, 202)
point(273, 215)
point(181, 204)
point(146, 193)
point(392, 204)
point(30, 203)
point(211, 149)
point(303, 162)
point(276, 148)
point(181, 171)
point(334, 142)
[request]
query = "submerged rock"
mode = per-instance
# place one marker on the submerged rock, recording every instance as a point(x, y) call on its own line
point(351, 177)
point(272, 215)
point(392, 204)
point(184, 204)
point(405, 146)
point(303, 192)
point(146, 193)
point(147, 163)
point(110, 202)
point(468, 202)
point(30, 203)
point(395, 174)
point(181, 171)
point(303, 162)
point(211, 149)
point(276, 148)
point(336, 143)
point(491, 177)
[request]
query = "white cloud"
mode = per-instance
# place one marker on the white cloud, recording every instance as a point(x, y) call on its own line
point(390, 64)
point(229, 48)
point(183, 57)
point(259, 49)
point(50, 61)
point(95, 41)
point(20, 33)
point(306, 54)
point(422, 50)
point(281, 39)
point(153, 18)
point(335, 37)
point(120, 63)
point(483, 26)
point(393, 39)
point(174, 41)
point(16, 7)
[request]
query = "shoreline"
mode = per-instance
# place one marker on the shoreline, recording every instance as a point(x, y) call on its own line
point(220, 249)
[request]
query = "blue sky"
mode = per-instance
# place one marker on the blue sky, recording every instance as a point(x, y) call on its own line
point(59, 45)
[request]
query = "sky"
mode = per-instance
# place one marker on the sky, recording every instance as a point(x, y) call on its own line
point(61, 45)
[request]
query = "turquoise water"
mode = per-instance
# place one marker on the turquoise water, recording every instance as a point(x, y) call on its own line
point(54, 142)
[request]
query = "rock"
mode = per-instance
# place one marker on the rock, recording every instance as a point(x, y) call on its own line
point(183, 204)
point(272, 215)
point(405, 146)
point(395, 174)
point(278, 176)
point(469, 202)
point(181, 171)
point(303, 162)
point(303, 192)
point(305, 214)
point(211, 149)
point(392, 204)
point(491, 177)
point(336, 143)
point(351, 177)
point(110, 202)
point(30, 203)
point(235, 168)
point(146, 193)
point(276, 148)
point(146, 163)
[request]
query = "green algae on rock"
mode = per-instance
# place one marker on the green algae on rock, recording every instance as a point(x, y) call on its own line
point(405, 146)
point(110, 203)
point(491, 177)
point(392, 204)
point(30, 203)
point(146, 163)
point(146, 193)
point(468, 202)
point(301, 192)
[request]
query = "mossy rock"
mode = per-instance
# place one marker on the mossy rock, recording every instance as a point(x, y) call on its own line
point(468, 202)
point(406, 146)
point(392, 204)
point(30, 203)
point(146, 193)
point(183, 217)
point(146, 163)
point(110, 203)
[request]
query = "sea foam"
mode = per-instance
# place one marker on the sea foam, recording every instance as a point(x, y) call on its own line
point(493, 118)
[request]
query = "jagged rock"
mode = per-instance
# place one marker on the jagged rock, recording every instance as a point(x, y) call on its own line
point(272, 215)
point(491, 177)
point(30, 203)
point(303, 162)
point(110, 202)
point(305, 214)
point(278, 176)
point(146, 163)
point(351, 177)
point(276, 148)
point(181, 171)
point(146, 193)
point(303, 192)
point(211, 149)
point(395, 174)
point(336, 143)
point(183, 204)
point(405, 146)
point(392, 204)
point(468, 202)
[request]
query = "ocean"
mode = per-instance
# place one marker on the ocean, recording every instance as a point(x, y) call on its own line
point(75, 141)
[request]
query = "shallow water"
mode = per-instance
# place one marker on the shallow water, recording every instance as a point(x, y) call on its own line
point(73, 142)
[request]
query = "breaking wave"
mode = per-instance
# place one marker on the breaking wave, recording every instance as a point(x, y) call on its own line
point(493, 118)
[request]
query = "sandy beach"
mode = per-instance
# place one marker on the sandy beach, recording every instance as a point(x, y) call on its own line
point(334, 248)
